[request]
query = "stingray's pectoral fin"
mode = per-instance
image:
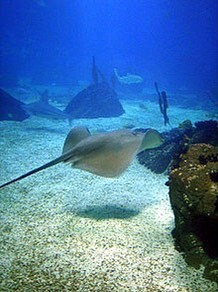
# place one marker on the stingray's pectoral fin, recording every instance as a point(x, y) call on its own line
point(76, 135)
point(49, 164)
point(151, 139)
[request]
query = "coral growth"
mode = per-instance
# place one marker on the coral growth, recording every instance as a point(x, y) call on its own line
point(176, 142)
point(194, 199)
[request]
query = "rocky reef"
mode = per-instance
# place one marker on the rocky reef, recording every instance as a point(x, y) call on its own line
point(194, 200)
point(205, 132)
point(190, 156)
point(176, 142)
point(160, 159)
point(193, 191)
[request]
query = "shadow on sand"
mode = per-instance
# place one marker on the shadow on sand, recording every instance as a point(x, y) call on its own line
point(107, 212)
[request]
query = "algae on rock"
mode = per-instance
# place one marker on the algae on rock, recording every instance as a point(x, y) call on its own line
point(194, 199)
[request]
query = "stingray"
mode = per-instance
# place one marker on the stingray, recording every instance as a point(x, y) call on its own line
point(106, 154)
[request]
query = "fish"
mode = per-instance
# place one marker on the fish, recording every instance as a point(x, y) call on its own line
point(104, 154)
point(11, 108)
point(42, 108)
point(128, 78)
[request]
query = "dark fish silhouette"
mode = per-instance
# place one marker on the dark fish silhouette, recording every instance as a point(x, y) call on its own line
point(106, 154)
point(42, 108)
point(10, 108)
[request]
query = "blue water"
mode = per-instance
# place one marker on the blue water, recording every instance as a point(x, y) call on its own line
point(52, 41)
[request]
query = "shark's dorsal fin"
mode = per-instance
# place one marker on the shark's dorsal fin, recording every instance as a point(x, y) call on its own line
point(76, 135)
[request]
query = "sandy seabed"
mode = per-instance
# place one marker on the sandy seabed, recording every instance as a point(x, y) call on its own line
point(68, 230)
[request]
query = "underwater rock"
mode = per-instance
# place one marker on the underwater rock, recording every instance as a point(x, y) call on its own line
point(97, 100)
point(176, 142)
point(186, 125)
point(11, 108)
point(205, 132)
point(194, 199)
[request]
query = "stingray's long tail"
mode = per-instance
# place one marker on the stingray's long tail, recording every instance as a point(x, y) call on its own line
point(49, 164)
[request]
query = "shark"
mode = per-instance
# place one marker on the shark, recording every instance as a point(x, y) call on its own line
point(128, 78)
point(104, 154)
point(42, 108)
